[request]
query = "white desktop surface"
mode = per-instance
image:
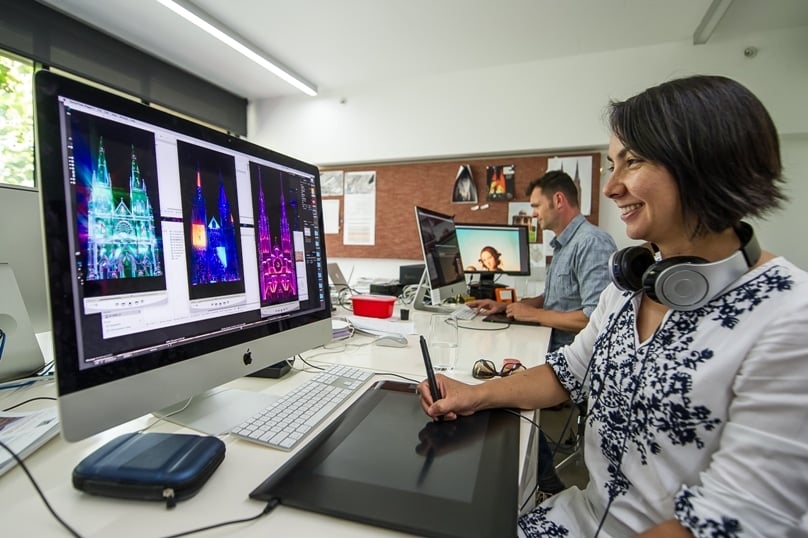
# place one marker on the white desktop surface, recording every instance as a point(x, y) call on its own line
point(225, 496)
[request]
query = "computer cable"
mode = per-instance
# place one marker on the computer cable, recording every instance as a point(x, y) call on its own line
point(27, 401)
point(38, 489)
point(271, 505)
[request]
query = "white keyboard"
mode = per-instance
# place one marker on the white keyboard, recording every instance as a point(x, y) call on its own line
point(464, 312)
point(287, 421)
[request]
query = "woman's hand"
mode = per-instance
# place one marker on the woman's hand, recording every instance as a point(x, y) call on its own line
point(457, 399)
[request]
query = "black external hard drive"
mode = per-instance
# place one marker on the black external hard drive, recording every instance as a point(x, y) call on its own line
point(167, 467)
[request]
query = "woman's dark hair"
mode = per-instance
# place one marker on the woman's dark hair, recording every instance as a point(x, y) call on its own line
point(716, 139)
point(494, 253)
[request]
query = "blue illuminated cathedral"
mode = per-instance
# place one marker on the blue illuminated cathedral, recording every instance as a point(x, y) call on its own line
point(121, 239)
point(276, 259)
point(214, 253)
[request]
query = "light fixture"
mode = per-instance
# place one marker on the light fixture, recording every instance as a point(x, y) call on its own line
point(226, 36)
point(710, 20)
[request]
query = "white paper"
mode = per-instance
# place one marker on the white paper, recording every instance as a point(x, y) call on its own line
point(331, 183)
point(25, 432)
point(381, 327)
point(359, 225)
point(331, 216)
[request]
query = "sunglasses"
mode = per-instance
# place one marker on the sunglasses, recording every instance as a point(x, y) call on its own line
point(486, 369)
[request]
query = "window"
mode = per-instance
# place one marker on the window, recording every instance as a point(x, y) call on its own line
point(16, 122)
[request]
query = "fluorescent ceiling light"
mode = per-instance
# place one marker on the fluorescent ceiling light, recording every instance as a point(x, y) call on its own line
point(710, 20)
point(226, 36)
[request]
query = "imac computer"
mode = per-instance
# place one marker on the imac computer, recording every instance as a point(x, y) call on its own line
point(179, 258)
point(491, 250)
point(443, 275)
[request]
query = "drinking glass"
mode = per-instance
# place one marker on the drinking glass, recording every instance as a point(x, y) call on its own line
point(442, 342)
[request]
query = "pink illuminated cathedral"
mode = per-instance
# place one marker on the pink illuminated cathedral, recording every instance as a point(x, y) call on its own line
point(276, 257)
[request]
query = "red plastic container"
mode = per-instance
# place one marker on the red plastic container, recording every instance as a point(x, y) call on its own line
point(373, 306)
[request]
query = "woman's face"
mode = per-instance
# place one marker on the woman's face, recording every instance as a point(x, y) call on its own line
point(488, 260)
point(647, 196)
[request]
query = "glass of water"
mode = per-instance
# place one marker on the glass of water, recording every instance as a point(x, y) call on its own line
point(442, 342)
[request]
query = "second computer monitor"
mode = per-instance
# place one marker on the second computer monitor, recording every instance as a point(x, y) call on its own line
point(494, 249)
point(444, 266)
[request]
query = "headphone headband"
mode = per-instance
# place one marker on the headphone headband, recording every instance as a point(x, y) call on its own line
point(683, 282)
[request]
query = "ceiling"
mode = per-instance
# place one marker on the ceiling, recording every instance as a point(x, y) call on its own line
point(338, 44)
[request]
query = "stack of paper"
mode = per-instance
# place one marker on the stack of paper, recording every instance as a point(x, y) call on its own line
point(25, 432)
point(381, 327)
point(340, 329)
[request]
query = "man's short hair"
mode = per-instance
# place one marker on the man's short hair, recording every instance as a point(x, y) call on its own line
point(555, 181)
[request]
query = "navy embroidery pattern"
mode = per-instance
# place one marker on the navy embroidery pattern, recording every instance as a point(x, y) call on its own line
point(726, 528)
point(535, 523)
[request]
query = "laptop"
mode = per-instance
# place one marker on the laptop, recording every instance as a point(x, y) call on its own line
point(337, 278)
point(20, 355)
point(502, 318)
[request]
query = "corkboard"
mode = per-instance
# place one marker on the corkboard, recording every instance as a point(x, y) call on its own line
point(401, 186)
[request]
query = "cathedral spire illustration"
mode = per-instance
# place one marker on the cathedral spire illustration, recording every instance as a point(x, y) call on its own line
point(214, 251)
point(276, 258)
point(121, 239)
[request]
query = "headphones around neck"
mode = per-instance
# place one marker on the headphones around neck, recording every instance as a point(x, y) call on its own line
point(683, 282)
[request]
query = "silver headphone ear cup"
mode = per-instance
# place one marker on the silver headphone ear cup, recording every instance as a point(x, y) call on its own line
point(627, 267)
point(677, 283)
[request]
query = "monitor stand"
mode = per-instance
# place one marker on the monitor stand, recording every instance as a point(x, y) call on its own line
point(216, 411)
point(418, 302)
point(485, 288)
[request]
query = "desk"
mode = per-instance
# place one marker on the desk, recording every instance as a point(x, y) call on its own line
point(225, 496)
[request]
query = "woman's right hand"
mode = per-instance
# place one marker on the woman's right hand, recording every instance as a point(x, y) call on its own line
point(457, 398)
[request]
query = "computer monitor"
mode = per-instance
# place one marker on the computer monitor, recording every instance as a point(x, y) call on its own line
point(443, 276)
point(490, 250)
point(179, 258)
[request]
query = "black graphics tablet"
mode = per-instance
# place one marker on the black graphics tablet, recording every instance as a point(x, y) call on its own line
point(385, 463)
point(502, 318)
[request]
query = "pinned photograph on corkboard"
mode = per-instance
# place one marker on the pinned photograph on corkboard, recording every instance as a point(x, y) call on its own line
point(465, 190)
point(520, 213)
point(500, 181)
point(331, 182)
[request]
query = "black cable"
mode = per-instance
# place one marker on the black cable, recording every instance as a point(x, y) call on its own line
point(499, 327)
point(267, 509)
point(29, 400)
point(38, 490)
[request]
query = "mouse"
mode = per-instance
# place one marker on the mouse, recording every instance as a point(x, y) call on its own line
point(391, 341)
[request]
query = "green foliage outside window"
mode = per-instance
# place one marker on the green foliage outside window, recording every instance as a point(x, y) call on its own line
point(16, 122)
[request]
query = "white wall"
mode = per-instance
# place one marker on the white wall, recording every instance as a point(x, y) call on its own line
point(546, 106)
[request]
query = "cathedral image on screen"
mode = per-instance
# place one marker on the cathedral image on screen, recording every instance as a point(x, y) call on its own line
point(121, 238)
point(276, 260)
point(214, 252)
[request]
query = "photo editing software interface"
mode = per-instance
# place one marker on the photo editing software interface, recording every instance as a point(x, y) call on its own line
point(175, 239)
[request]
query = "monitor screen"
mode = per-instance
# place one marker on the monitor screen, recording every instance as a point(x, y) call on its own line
point(444, 266)
point(494, 249)
point(179, 257)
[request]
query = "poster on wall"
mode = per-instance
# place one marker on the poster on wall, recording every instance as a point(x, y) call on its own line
point(579, 168)
point(500, 182)
point(520, 213)
point(331, 182)
point(359, 215)
point(465, 190)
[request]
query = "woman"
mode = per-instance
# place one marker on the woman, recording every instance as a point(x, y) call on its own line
point(490, 259)
point(697, 412)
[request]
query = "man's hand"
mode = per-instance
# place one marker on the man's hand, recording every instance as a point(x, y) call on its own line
point(523, 312)
point(486, 306)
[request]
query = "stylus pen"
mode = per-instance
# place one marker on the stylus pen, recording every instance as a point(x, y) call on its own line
point(430, 373)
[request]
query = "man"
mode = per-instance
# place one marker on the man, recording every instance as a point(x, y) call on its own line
point(579, 268)
point(575, 278)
